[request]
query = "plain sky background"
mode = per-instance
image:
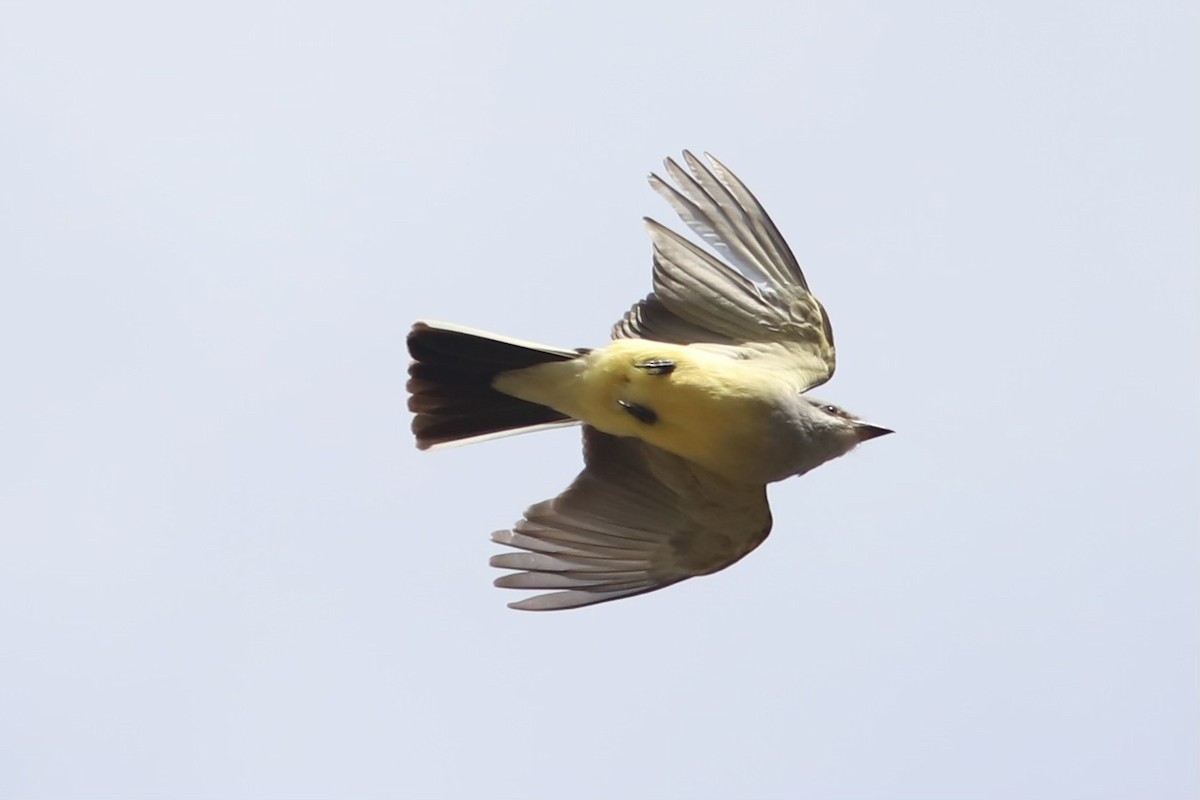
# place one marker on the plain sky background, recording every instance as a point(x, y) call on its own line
point(226, 572)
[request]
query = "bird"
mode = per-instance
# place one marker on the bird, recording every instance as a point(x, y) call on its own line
point(694, 406)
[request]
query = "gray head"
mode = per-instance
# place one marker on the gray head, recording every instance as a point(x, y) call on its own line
point(842, 424)
point(813, 432)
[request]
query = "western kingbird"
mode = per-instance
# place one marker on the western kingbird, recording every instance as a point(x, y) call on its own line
point(694, 407)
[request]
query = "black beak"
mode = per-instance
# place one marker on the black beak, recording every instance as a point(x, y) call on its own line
point(867, 431)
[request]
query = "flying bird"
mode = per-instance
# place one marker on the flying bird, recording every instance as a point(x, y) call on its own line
point(696, 404)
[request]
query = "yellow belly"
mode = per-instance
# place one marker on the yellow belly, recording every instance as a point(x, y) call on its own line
point(711, 409)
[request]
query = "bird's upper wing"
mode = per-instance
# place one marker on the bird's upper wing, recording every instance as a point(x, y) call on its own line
point(763, 298)
point(636, 519)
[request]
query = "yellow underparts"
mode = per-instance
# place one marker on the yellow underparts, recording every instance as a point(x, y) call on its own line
point(709, 409)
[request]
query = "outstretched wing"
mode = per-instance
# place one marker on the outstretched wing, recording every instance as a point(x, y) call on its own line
point(698, 298)
point(636, 519)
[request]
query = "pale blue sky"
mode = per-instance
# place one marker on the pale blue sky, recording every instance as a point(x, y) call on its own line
point(226, 572)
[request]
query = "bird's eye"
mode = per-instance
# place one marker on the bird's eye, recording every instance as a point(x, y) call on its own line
point(832, 410)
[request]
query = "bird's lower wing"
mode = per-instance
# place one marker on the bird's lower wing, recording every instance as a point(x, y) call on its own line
point(636, 519)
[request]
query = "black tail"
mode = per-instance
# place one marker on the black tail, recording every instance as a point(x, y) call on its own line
point(450, 383)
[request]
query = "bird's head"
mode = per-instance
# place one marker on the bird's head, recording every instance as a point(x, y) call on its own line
point(812, 433)
point(837, 431)
point(836, 421)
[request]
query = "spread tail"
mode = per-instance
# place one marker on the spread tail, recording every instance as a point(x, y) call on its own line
point(450, 385)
